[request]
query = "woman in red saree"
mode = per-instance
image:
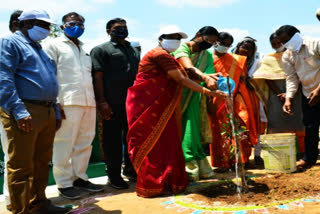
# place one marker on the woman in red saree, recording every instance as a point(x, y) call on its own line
point(154, 118)
point(234, 66)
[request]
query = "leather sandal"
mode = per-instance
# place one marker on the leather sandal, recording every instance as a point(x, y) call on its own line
point(302, 164)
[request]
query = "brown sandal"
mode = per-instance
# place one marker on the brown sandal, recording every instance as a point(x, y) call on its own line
point(302, 164)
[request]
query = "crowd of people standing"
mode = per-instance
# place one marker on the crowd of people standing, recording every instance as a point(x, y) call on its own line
point(158, 112)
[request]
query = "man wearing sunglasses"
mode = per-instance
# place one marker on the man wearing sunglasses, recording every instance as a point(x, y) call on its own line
point(72, 144)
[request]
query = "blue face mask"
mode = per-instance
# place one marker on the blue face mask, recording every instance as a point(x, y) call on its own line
point(38, 33)
point(74, 31)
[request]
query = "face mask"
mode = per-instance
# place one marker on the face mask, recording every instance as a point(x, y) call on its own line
point(170, 45)
point(120, 32)
point(280, 49)
point(38, 33)
point(294, 44)
point(204, 45)
point(221, 48)
point(74, 31)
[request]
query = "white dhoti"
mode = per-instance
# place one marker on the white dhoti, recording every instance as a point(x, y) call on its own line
point(72, 145)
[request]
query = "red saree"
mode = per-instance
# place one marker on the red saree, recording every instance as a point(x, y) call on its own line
point(154, 141)
point(244, 111)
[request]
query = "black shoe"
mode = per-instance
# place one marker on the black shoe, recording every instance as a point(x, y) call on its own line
point(258, 160)
point(87, 185)
point(118, 183)
point(52, 209)
point(130, 173)
point(70, 193)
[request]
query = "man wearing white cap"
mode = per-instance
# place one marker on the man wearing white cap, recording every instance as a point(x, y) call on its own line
point(30, 116)
point(13, 27)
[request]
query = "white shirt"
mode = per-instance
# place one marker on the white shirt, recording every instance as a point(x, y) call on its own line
point(302, 66)
point(73, 71)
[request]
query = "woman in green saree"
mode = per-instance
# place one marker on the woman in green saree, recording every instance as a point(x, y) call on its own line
point(198, 61)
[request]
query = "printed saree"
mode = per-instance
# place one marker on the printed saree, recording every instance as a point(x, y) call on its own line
point(221, 148)
point(154, 121)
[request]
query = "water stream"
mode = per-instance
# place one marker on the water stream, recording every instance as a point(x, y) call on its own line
point(240, 173)
point(229, 108)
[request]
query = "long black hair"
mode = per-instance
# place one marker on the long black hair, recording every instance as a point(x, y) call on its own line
point(250, 60)
point(207, 31)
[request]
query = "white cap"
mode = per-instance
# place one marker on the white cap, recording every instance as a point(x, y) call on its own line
point(172, 29)
point(35, 14)
point(135, 44)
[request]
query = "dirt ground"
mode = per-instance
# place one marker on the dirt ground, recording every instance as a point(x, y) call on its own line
point(268, 193)
point(263, 190)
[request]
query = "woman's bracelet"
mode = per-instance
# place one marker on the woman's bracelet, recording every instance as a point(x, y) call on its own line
point(204, 90)
point(204, 77)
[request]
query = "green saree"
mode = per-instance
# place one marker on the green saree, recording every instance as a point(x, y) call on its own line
point(195, 122)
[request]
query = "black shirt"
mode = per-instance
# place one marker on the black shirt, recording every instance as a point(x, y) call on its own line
point(119, 65)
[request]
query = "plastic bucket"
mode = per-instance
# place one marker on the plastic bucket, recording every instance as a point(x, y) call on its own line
point(279, 152)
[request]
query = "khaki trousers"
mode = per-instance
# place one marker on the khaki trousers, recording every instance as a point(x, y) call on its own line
point(29, 156)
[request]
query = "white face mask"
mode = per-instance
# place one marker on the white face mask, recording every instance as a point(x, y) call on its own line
point(221, 48)
point(170, 45)
point(294, 44)
point(280, 49)
point(38, 33)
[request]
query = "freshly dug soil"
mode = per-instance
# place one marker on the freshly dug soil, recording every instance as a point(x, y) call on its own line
point(264, 190)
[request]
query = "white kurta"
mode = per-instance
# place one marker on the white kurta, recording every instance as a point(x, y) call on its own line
point(302, 66)
point(72, 145)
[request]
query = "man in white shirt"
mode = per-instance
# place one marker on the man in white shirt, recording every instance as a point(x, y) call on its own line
point(301, 61)
point(72, 145)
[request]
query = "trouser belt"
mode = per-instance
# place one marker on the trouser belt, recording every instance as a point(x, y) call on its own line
point(40, 102)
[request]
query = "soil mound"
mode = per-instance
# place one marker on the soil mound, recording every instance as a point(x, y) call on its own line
point(269, 189)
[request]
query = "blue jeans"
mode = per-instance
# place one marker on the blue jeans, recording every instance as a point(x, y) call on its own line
point(311, 120)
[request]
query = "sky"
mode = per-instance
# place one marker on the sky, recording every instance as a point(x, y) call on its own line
point(145, 18)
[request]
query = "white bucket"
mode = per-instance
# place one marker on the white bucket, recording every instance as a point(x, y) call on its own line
point(279, 152)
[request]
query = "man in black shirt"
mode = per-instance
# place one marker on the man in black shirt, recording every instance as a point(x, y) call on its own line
point(115, 65)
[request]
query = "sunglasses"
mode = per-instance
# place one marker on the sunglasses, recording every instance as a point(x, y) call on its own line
point(72, 24)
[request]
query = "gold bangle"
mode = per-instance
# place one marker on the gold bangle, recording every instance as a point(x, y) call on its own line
point(204, 90)
point(204, 77)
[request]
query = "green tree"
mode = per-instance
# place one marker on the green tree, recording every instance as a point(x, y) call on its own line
point(55, 31)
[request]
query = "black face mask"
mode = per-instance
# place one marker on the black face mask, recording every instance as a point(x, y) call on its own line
point(120, 32)
point(204, 45)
